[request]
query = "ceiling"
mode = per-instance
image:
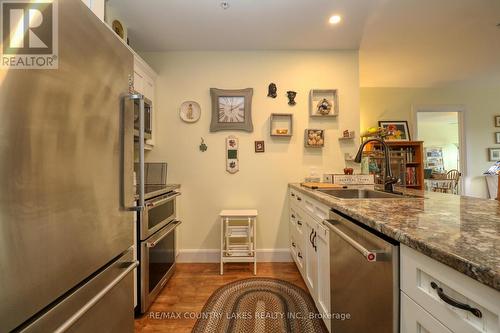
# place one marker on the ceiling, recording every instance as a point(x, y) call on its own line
point(159, 25)
point(427, 43)
point(402, 43)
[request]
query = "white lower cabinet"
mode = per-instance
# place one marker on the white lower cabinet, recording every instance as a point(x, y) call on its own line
point(323, 282)
point(414, 319)
point(309, 246)
point(460, 303)
point(311, 257)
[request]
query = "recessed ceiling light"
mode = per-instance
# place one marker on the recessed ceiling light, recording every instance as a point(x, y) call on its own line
point(335, 19)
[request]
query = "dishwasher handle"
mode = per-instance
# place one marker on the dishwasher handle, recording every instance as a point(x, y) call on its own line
point(370, 255)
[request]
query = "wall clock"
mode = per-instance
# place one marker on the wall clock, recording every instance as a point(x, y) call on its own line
point(231, 110)
point(190, 111)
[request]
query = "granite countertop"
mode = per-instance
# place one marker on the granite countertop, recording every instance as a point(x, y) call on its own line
point(461, 232)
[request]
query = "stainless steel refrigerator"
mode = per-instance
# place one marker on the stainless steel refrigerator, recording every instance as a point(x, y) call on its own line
point(66, 181)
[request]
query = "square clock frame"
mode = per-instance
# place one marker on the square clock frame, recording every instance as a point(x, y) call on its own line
point(231, 110)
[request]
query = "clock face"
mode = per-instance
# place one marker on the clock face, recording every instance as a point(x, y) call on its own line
point(231, 109)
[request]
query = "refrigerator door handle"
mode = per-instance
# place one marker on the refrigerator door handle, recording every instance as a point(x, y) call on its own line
point(140, 98)
point(79, 314)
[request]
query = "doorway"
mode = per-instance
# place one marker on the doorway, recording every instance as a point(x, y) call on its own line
point(441, 129)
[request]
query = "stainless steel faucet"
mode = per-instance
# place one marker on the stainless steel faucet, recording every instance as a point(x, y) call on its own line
point(389, 180)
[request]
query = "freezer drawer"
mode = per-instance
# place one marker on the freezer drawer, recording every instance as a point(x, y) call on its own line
point(104, 304)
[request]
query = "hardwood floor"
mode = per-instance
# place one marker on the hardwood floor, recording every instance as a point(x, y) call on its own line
point(192, 284)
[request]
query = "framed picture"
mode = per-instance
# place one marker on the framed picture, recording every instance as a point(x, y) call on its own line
point(494, 154)
point(314, 138)
point(259, 147)
point(231, 110)
point(497, 137)
point(497, 121)
point(396, 130)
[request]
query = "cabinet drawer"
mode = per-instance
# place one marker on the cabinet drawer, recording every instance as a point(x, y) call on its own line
point(317, 210)
point(300, 223)
point(419, 273)
point(293, 247)
point(300, 255)
point(414, 319)
point(296, 198)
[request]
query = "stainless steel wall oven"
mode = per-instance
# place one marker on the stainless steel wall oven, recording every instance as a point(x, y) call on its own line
point(148, 118)
point(157, 246)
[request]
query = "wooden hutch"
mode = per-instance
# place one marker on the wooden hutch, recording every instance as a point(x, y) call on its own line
point(407, 159)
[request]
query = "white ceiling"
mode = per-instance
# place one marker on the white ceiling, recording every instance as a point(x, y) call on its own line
point(161, 25)
point(424, 43)
point(402, 43)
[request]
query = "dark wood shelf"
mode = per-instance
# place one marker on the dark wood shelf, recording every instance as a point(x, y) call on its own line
point(418, 156)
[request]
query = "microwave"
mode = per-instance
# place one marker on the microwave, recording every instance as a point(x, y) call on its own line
point(148, 118)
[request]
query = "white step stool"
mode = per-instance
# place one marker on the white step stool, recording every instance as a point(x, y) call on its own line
point(238, 236)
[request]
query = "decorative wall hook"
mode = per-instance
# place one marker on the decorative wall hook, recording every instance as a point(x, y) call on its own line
point(203, 146)
point(272, 90)
point(291, 97)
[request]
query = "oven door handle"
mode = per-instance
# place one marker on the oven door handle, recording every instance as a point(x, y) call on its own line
point(162, 201)
point(157, 238)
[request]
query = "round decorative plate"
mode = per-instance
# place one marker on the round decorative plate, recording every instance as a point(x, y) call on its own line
point(190, 111)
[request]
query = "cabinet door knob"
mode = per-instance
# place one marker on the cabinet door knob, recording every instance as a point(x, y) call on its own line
point(293, 244)
point(299, 255)
point(293, 216)
point(299, 223)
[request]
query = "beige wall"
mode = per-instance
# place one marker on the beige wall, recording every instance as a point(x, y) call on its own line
point(441, 132)
point(262, 180)
point(481, 105)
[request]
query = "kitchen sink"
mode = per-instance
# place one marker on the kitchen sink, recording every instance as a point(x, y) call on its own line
point(366, 194)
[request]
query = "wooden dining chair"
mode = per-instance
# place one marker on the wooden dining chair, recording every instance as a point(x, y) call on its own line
point(454, 175)
point(498, 189)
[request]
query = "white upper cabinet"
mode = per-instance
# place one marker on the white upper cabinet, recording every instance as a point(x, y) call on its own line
point(97, 7)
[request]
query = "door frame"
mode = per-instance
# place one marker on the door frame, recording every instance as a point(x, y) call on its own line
point(462, 150)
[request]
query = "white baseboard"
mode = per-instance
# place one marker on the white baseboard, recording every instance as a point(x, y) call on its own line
point(213, 255)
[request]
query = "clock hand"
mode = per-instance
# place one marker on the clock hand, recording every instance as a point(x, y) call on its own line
point(237, 106)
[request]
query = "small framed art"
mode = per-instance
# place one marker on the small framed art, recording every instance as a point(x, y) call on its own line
point(314, 138)
point(494, 154)
point(497, 121)
point(396, 130)
point(497, 137)
point(259, 147)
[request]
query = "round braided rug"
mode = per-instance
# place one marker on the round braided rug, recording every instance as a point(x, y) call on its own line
point(259, 305)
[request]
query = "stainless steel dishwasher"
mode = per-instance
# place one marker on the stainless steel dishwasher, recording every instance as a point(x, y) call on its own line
point(364, 278)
